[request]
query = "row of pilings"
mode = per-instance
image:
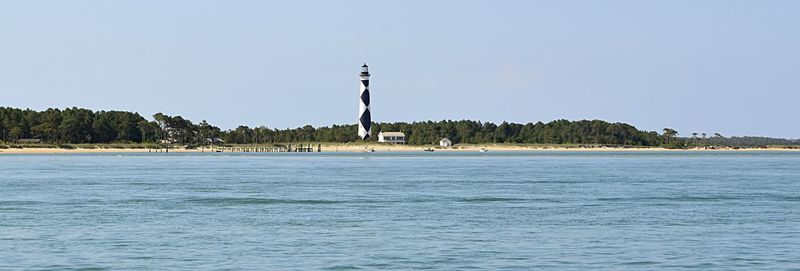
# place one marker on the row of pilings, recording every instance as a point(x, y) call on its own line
point(271, 148)
point(275, 148)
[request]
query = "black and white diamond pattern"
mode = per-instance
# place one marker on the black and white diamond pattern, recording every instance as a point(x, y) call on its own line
point(365, 118)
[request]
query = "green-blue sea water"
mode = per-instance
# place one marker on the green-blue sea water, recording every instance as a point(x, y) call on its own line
point(376, 211)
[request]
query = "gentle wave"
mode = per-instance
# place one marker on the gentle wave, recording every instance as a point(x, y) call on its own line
point(790, 198)
point(701, 198)
point(669, 199)
point(265, 201)
point(504, 199)
point(489, 199)
point(136, 201)
point(64, 267)
point(258, 201)
point(343, 267)
point(640, 263)
point(5, 203)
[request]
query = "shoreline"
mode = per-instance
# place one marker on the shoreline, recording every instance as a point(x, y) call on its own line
point(354, 148)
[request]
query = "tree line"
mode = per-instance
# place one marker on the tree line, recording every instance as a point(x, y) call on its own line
point(78, 125)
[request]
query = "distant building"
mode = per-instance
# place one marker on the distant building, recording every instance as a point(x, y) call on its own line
point(392, 137)
point(445, 143)
point(168, 141)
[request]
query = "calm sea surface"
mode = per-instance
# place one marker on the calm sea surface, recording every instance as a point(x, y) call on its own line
point(489, 211)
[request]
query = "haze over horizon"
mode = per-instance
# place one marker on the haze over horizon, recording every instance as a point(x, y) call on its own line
point(713, 66)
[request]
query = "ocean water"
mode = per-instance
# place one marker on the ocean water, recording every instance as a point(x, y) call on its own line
point(377, 211)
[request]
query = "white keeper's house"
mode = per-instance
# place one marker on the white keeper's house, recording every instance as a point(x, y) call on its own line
point(446, 143)
point(392, 137)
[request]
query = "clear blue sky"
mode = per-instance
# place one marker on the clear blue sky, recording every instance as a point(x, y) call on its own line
point(697, 66)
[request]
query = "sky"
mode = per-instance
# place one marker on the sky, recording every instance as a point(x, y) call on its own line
point(729, 67)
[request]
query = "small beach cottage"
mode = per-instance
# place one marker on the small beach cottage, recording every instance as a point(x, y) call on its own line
point(446, 143)
point(392, 137)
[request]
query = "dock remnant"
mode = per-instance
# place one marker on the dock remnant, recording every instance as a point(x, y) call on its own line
point(305, 147)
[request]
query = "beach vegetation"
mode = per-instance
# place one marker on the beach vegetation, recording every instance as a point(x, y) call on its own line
point(84, 127)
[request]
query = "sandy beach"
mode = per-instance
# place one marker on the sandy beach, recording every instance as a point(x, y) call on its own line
point(514, 147)
point(359, 147)
point(84, 150)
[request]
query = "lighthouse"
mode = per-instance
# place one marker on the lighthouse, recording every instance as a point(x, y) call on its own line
point(364, 116)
